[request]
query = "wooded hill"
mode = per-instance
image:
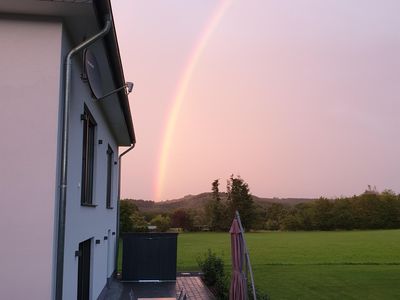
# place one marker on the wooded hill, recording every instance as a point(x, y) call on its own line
point(197, 202)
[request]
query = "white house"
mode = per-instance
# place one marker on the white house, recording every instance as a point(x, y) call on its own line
point(59, 166)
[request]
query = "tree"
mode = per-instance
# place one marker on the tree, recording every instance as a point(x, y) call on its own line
point(321, 214)
point(216, 208)
point(342, 214)
point(163, 223)
point(215, 190)
point(130, 219)
point(139, 222)
point(240, 199)
point(127, 209)
point(391, 214)
point(290, 221)
point(182, 219)
point(275, 215)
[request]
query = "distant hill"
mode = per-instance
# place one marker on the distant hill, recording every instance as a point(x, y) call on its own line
point(288, 201)
point(198, 201)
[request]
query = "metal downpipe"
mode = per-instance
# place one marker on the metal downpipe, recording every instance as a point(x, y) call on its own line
point(64, 158)
point(118, 200)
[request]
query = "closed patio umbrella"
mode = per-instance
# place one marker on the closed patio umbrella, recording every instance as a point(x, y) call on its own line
point(238, 289)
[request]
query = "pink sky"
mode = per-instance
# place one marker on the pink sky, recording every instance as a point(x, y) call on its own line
point(298, 97)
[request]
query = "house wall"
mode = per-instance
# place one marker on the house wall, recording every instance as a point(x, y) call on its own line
point(31, 76)
point(29, 108)
point(83, 222)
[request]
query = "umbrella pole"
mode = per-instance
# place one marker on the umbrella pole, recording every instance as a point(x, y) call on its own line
point(246, 253)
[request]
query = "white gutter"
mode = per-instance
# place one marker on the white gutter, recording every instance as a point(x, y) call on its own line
point(118, 200)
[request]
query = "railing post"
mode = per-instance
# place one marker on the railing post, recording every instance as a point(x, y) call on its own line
point(246, 253)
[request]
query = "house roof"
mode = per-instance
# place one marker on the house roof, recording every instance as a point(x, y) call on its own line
point(77, 15)
point(103, 7)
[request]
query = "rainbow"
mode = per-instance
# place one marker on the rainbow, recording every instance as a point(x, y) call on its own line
point(180, 93)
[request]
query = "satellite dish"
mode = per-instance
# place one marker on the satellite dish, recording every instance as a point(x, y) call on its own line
point(92, 72)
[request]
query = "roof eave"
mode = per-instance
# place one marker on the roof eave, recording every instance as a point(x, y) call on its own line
point(102, 9)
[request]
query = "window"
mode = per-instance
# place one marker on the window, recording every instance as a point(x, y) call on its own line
point(89, 126)
point(110, 158)
point(84, 270)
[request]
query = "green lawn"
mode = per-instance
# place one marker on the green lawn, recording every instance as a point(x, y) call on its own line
point(311, 265)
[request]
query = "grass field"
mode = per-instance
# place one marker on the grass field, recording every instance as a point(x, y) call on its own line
point(311, 265)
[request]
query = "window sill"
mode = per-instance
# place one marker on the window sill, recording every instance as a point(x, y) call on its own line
point(110, 207)
point(88, 205)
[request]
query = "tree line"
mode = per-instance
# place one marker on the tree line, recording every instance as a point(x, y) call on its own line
point(217, 215)
point(370, 210)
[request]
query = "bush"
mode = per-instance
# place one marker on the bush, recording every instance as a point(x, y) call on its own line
point(212, 267)
point(221, 288)
point(260, 295)
point(214, 274)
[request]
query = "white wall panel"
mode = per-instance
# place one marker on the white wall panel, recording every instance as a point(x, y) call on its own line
point(29, 108)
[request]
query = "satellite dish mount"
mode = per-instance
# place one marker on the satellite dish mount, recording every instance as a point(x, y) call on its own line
point(92, 75)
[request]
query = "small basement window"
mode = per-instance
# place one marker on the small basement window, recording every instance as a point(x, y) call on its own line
point(89, 127)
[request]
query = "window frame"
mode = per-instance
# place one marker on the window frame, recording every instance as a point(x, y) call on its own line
point(88, 157)
point(110, 163)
